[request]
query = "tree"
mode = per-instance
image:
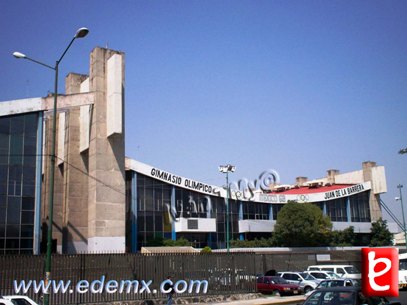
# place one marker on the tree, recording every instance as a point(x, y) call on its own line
point(380, 234)
point(343, 238)
point(301, 224)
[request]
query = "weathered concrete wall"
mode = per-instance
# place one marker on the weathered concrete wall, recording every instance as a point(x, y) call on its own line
point(106, 211)
point(89, 187)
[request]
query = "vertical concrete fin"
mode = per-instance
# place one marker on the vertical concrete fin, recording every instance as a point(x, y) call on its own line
point(84, 88)
point(114, 93)
point(61, 138)
point(84, 127)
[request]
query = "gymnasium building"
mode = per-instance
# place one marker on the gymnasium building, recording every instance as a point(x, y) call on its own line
point(105, 202)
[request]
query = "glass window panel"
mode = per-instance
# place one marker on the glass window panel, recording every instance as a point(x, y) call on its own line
point(2, 240)
point(26, 243)
point(13, 231)
point(17, 124)
point(2, 215)
point(3, 173)
point(28, 189)
point(149, 223)
point(30, 124)
point(3, 188)
point(4, 156)
point(27, 217)
point(13, 210)
point(12, 243)
point(27, 231)
point(5, 125)
point(28, 203)
point(16, 149)
point(2, 231)
point(158, 223)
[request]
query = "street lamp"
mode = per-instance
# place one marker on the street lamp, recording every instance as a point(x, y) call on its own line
point(402, 211)
point(80, 33)
point(226, 169)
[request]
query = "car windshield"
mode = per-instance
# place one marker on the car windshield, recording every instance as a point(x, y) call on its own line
point(331, 297)
point(279, 280)
point(307, 276)
point(351, 270)
point(333, 275)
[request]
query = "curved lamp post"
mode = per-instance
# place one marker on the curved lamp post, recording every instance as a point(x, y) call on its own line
point(80, 33)
point(226, 169)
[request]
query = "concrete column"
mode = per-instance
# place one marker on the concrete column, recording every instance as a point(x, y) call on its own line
point(374, 200)
point(75, 221)
point(301, 180)
point(331, 175)
point(106, 210)
point(348, 211)
point(73, 83)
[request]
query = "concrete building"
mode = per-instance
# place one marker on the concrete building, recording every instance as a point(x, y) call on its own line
point(106, 202)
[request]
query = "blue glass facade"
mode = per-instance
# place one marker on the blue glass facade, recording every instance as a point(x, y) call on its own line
point(20, 150)
point(150, 203)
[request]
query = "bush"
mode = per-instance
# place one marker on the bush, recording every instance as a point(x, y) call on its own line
point(206, 250)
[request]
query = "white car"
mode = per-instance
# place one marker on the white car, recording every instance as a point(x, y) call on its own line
point(323, 275)
point(16, 300)
point(305, 281)
point(344, 271)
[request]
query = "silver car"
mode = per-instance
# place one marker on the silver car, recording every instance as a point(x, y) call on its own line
point(306, 281)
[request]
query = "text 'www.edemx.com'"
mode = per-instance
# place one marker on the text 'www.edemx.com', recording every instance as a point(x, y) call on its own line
point(110, 286)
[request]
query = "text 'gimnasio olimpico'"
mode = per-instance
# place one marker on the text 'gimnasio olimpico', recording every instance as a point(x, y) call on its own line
point(105, 202)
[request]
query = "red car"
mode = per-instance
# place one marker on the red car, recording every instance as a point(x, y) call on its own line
point(276, 285)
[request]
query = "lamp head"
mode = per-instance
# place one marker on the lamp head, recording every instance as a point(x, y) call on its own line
point(19, 55)
point(227, 168)
point(82, 32)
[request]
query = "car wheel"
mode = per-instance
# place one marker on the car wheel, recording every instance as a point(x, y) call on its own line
point(276, 293)
point(307, 289)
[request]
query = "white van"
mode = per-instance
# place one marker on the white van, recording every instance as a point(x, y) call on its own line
point(344, 271)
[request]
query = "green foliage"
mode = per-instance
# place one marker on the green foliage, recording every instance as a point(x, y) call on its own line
point(206, 250)
point(301, 225)
point(155, 242)
point(256, 243)
point(343, 238)
point(180, 242)
point(380, 234)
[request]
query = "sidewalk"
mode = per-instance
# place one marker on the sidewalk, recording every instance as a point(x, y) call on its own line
point(299, 299)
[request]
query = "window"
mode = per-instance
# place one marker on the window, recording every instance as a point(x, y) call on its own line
point(18, 147)
point(359, 207)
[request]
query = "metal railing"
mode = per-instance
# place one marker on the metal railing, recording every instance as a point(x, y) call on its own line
point(225, 273)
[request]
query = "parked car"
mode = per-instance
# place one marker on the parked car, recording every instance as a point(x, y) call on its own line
point(276, 285)
point(306, 281)
point(345, 271)
point(344, 296)
point(5, 302)
point(323, 275)
point(337, 283)
point(16, 300)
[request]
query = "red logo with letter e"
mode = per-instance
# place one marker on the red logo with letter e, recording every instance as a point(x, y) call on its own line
point(380, 272)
